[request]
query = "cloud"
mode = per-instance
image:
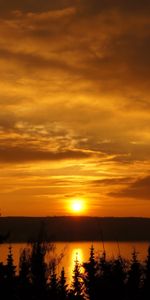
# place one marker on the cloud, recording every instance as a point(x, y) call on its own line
point(32, 5)
point(109, 51)
point(111, 181)
point(137, 104)
point(125, 6)
point(95, 6)
point(140, 189)
point(22, 155)
point(34, 61)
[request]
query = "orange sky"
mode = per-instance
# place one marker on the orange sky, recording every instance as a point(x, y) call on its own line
point(75, 106)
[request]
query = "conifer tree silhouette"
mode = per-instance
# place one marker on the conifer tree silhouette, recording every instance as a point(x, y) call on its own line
point(53, 287)
point(134, 276)
point(10, 276)
point(2, 280)
point(77, 282)
point(24, 274)
point(24, 266)
point(63, 286)
point(38, 269)
point(118, 277)
point(90, 275)
point(10, 268)
point(104, 277)
point(146, 286)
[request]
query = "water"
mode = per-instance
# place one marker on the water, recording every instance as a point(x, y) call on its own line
point(81, 250)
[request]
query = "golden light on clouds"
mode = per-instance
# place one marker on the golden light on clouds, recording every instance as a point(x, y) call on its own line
point(75, 106)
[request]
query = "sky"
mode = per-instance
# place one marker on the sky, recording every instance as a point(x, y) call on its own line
point(75, 107)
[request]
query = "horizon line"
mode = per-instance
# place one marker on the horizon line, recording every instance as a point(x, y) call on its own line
point(73, 216)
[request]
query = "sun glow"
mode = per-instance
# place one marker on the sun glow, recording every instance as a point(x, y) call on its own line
point(77, 206)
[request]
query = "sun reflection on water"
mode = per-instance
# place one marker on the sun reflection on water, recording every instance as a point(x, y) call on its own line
point(76, 255)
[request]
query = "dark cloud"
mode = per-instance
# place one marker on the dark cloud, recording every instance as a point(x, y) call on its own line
point(130, 6)
point(140, 189)
point(32, 5)
point(119, 148)
point(112, 52)
point(136, 104)
point(7, 119)
point(111, 181)
point(84, 5)
point(33, 61)
point(23, 155)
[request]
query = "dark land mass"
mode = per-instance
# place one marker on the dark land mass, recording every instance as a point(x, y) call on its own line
point(26, 229)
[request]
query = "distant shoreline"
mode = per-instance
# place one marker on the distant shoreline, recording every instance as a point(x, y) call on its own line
point(76, 229)
point(81, 241)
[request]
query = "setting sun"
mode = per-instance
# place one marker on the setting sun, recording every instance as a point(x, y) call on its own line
point(77, 205)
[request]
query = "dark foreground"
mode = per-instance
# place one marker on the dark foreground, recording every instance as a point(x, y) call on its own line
point(99, 278)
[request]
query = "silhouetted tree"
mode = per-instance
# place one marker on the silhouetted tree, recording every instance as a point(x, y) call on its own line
point(38, 268)
point(146, 285)
point(118, 277)
point(10, 267)
point(24, 266)
point(103, 264)
point(77, 282)
point(10, 276)
point(90, 275)
point(25, 274)
point(53, 286)
point(134, 277)
point(2, 280)
point(104, 286)
point(63, 286)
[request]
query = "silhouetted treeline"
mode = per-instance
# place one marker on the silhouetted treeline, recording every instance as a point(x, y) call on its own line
point(24, 229)
point(98, 278)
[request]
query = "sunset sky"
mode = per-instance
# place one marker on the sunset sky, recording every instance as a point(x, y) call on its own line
point(75, 107)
